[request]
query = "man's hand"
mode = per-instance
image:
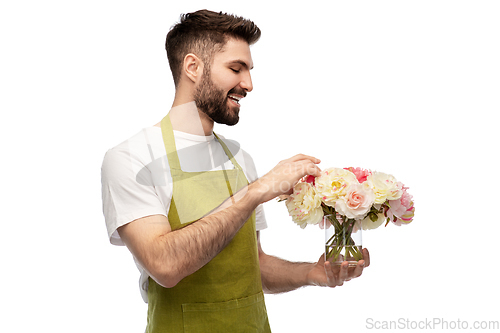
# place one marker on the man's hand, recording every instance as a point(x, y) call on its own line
point(328, 275)
point(283, 177)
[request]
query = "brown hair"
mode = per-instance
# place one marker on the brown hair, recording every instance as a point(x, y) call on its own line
point(204, 33)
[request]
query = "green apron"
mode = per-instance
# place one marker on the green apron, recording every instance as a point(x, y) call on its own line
point(226, 294)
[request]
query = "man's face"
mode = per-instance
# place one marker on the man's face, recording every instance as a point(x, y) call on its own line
point(225, 83)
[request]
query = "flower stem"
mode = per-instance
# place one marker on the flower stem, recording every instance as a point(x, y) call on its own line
point(341, 240)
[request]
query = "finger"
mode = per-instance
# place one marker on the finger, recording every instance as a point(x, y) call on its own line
point(283, 197)
point(300, 157)
point(306, 167)
point(302, 168)
point(330, 277)
point(336, 268)
point(358, 270)
point(366, 257)
point(344, 273)
point(313, 170)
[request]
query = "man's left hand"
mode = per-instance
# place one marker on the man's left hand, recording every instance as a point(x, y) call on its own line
point(328, 275)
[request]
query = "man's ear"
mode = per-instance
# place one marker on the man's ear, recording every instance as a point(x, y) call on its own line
point(192, 67)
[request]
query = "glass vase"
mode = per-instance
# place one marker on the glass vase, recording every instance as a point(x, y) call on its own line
point(343, 240)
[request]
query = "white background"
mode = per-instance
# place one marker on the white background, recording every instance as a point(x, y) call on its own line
point(405, 87)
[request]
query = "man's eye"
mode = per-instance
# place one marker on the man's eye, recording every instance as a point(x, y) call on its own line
point(235, 70)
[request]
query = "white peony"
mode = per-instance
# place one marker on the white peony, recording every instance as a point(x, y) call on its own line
point(332, 184)
point(385, 187)
point(368, 224)
point(304, 205)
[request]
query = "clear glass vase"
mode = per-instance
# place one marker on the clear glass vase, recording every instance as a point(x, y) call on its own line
point(343, 240)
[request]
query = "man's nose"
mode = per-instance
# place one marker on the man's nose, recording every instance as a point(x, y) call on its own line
point(246, 83)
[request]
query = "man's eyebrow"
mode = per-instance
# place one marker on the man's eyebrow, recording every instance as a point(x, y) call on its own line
point(238, 61)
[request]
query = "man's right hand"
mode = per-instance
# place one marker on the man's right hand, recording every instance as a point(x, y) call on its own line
point(283, 177)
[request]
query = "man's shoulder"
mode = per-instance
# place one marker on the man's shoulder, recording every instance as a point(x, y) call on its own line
point(137, 147)
point(138, 141)
point(145, 136)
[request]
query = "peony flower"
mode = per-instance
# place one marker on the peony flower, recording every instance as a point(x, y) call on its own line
point(368, 224)
point(304, 205)
point(396, 209)
point(407, 217)
point(401, 211)
point(409, 214)
point(310, 179)
point(356, 203)
point(361, 174)
point(385, 187)
point(332, 184)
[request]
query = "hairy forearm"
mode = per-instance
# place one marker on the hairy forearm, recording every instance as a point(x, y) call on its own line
point(279, 276)
point(169, 256)
point(184, 251)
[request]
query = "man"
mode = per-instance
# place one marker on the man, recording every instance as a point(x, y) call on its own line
point(187, 203)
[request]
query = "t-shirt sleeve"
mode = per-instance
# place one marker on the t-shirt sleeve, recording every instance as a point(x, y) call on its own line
point(128, 191)
point(260, 218)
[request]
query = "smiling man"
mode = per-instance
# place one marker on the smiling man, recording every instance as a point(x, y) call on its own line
point(187, 203)
point(219, 92)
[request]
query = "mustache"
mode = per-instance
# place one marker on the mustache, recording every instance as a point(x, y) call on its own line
point(237, 91)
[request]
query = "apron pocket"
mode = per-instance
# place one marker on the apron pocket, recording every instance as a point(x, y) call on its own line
point(240, 315)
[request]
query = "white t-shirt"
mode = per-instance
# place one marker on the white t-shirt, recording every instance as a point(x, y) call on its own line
point(136, 179)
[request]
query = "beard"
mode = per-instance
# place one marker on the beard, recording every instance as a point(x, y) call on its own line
point(214, 103)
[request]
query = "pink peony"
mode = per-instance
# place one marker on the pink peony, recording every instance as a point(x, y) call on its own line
point(361, 174)
point(310, 179)
point(402, 209)
point(356, 203)
point(408, 215)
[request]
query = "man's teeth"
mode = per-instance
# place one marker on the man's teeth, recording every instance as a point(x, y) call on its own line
point(235, 97)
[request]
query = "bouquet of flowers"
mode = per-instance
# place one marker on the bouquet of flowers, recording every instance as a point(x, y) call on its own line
point(349, 198)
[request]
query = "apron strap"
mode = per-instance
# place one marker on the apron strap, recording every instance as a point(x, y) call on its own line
point(169, 143)
point(228, 153)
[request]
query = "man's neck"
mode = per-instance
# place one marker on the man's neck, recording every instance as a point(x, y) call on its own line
point(187, 118)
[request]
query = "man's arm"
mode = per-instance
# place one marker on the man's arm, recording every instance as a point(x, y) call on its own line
point(169, 256)
point(280, 275)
